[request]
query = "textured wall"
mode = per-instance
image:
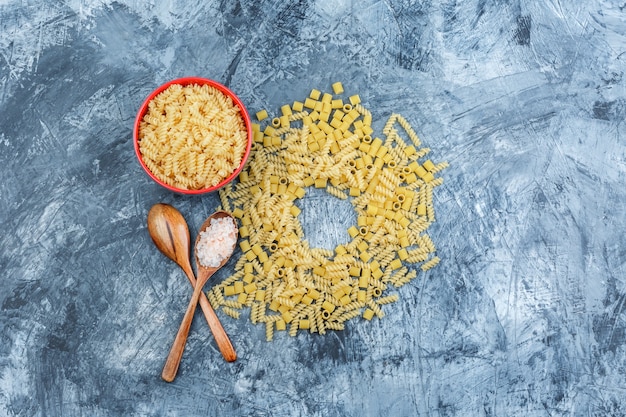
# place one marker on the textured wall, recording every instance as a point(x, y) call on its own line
point(524, 316)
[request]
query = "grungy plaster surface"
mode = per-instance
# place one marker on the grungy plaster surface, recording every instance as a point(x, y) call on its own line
point(524, 316)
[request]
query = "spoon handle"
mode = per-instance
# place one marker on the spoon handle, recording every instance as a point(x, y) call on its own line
point(176, 352)
point(221, 338)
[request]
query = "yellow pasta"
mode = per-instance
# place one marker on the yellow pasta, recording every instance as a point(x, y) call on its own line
point(337, 88)
point(261, 115)
point(279, 277)
point(387, 299)
point(234, 313)
point(368, 314)
point(269, 331)
point(430, 264)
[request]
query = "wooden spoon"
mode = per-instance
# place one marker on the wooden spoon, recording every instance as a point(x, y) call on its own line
point(204, 273)
point(169, 232)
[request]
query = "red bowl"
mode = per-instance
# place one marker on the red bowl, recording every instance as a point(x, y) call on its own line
point(200, 81)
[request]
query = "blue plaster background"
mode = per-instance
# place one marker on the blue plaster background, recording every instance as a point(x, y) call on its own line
point(525, 315)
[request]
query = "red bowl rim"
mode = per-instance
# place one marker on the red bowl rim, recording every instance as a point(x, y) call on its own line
point(187, 81)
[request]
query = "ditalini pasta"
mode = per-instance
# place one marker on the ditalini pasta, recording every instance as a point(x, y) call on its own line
point(324, 142)
point(192, 137)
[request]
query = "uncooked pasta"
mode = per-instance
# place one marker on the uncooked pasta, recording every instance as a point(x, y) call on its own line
point(326, 142)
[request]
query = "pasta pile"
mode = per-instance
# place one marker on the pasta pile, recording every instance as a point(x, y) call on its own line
point(192, 137)
point(326, 142)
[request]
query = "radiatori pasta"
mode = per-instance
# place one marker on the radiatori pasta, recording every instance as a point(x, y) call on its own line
point(330, 144)
point(192, 137)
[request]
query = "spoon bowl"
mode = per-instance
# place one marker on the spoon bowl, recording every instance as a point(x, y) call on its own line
point(170, 233)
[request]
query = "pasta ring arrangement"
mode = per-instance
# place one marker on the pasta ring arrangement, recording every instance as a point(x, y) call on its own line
point(326, 142)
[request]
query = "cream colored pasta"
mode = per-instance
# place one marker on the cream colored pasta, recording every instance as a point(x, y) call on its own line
point(283, 280)
point(192, 137)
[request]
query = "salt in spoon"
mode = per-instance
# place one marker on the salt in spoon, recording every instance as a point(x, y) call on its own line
point(204, 273)
point(170, 233)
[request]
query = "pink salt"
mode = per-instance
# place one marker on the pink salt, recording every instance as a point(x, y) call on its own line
point(216, 242)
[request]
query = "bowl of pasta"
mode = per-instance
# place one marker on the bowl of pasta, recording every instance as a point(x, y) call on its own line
point(192, 135)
